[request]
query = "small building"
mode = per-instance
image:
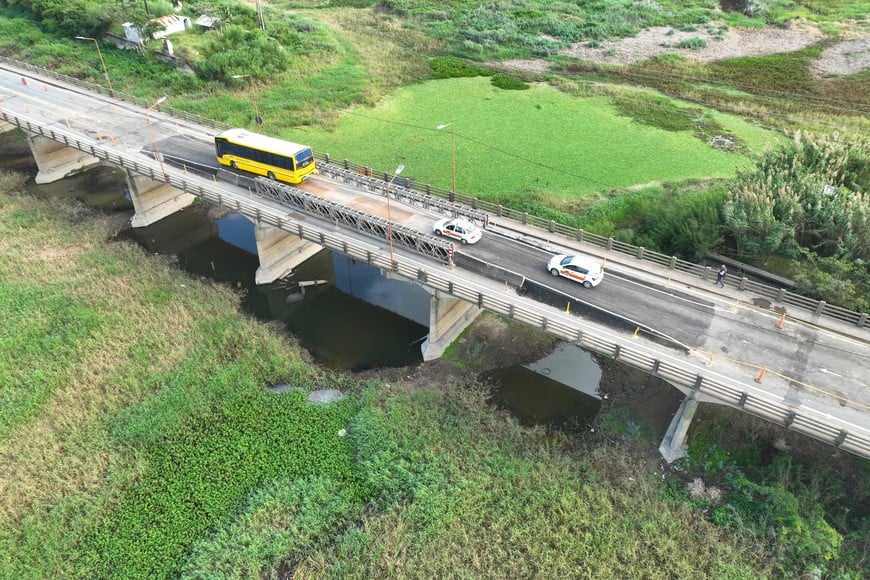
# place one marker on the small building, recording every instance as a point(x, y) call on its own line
point(169, 24)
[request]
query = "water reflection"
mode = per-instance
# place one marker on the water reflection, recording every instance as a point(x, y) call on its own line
point(331, 318)
point(560, 389)
point(238, 230)
point(102, 188)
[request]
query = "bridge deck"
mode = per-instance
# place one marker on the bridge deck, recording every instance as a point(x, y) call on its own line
point(805, 364)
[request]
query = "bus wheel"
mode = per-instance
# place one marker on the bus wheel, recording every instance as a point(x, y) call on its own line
point(271, 176)
point(233, 165)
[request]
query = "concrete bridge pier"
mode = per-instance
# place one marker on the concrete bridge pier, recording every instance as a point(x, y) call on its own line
point(55, 160)
point(279, 252)
point(154, 200)
point(448, 317)
point(673, 446)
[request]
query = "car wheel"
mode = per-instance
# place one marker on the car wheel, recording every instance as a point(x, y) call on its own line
point(554, 272)
point(587, 284)
point(438, 233)
point(463, 241)
point(234, 166)
point(271, 176)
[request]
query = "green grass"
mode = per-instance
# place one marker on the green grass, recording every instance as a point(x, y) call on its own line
point(42, 335)
point(164, 454)
point(509, 143)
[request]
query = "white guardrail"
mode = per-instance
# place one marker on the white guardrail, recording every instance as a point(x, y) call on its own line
point(680, 372)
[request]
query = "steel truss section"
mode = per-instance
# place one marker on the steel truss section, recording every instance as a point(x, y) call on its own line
point(406, 195)
point(332, 212)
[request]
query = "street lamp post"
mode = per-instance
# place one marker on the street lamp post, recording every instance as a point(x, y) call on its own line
point(257, 118)
point(452, 153)
point(399, 169)
point(154, 138)
point(102, 62)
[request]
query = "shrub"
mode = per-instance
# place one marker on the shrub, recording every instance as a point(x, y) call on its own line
point(694, 43)
point(508, 82)
point(237, 47)
point(448, 67)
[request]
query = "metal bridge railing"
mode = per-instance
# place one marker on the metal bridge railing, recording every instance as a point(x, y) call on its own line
point(333, 212)
point(818, 307)
point(583, 332)
point(115, 94)
point(459, 201)
point(363, 179)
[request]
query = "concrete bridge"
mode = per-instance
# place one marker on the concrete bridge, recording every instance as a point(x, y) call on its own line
point(797, 367)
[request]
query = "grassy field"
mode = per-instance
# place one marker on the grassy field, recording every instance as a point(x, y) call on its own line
point(140, 439)
point(541, 141)
point(136, 432)
point(147, 444)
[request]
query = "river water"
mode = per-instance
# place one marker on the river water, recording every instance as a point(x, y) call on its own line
point(350, 317)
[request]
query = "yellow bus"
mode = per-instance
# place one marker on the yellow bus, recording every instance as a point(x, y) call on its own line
point(276, 159)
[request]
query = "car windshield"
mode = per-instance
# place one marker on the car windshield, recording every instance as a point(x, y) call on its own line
point(566, 260)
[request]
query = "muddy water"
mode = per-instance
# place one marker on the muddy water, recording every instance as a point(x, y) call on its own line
point(352, 317)
point(330, 303)
point(560, 389)
point(102, 188)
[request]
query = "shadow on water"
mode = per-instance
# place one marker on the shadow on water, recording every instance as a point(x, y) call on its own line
point(332, 317)
point(559, 390)
point(357, 319)
point(101, 187)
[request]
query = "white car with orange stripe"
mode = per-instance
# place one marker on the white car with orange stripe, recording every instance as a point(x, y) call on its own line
point(582, 269)
point(458, 229)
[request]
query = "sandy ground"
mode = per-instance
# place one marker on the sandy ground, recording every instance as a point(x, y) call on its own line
point(847, 57)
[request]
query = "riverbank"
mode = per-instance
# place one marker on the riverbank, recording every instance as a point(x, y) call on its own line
point(141, 438)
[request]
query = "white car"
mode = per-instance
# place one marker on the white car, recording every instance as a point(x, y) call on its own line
point(461, 230)
point(582, 269)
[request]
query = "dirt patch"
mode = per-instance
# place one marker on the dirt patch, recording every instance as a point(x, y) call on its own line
point(729, 43)
point(844, 58)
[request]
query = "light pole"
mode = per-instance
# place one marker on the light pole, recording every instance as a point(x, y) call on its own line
point(399, 169)
point(153, 138)
point(257, 118)
point(452, 152)
point(102, 62)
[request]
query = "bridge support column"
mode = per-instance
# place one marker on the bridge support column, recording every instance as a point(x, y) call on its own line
point(154, 200)
point(673, 446)
point(280, 252)
point(448, 317)
point(55, 160)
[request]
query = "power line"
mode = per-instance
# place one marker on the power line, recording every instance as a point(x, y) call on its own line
point(493, 148)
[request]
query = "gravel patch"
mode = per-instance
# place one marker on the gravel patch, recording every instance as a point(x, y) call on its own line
point(662, 40)
point(844, 58)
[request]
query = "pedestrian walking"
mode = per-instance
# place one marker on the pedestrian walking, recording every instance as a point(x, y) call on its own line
point(720, 276)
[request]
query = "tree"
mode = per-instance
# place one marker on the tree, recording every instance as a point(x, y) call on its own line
point(809, 194)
